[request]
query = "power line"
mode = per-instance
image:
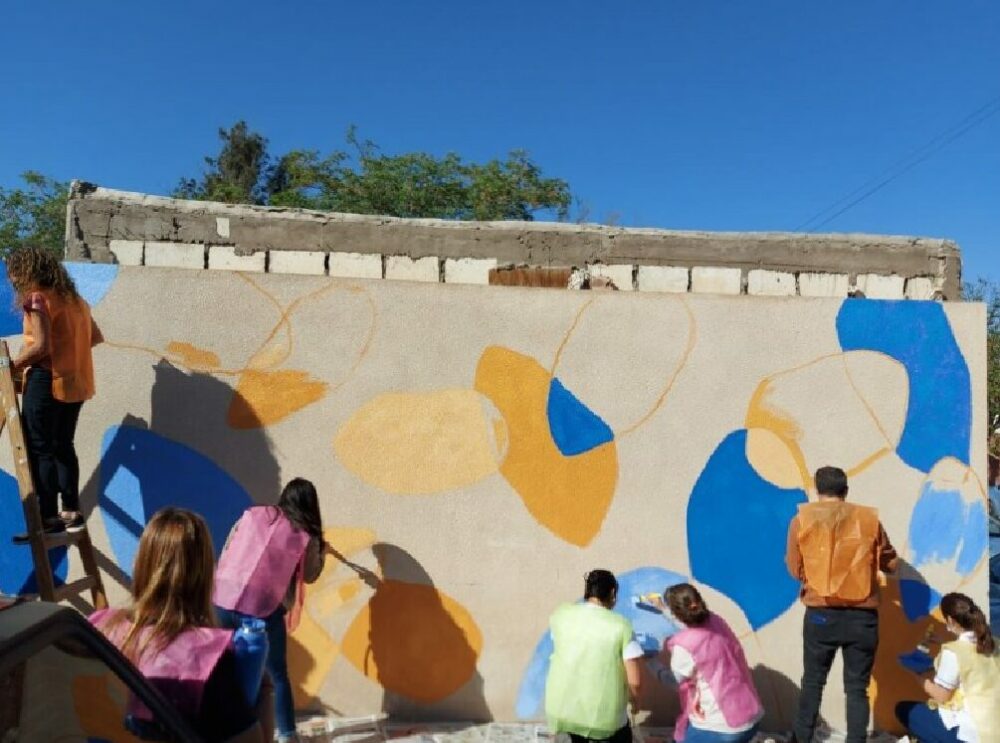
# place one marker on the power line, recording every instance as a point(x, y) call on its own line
point(902, 166)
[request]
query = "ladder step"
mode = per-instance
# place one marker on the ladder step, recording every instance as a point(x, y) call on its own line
point(63, 538)
point(76, 587)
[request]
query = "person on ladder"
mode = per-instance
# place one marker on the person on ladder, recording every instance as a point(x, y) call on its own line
point(57, 372)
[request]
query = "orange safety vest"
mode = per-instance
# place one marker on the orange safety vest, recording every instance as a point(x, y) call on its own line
point(70, 341)
point(837, 541)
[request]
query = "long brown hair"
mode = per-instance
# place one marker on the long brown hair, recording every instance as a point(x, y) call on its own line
point(31, 268)
point(968, 616)
point(172, 582)
point(687, 604)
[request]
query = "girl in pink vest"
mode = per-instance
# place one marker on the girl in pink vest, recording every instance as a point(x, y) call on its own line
point(268, 556)
point(719, 703)
point(169, 631)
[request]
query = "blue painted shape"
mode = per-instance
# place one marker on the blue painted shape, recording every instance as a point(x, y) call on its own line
point(531, 693)
point(975, 539)
point(17, 571)
point(943, 526)
point(994, 528)
point(916, 661)
point(918, 599)
point(737, 528)
point(918, 335)
point(93, 280)
point(10, 313)
point(142, 472)
point(575, 428)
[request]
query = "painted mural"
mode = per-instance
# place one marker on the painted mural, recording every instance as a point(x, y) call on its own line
point(478, 450)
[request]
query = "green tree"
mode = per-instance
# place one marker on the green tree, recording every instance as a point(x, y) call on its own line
point(33, 214)
point(238, 175)
point(364, 180)
point(986, 291)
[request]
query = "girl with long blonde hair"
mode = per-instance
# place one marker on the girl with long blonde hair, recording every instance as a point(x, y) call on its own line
point(170, 633)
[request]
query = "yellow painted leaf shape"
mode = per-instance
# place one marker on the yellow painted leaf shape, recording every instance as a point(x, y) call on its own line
point(418, 443)
point(262, 398)
point(414, 640)
point(568, 495)
point(311, 653)
point(193, 357)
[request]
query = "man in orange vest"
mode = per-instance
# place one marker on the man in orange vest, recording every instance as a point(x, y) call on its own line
point(836, 549)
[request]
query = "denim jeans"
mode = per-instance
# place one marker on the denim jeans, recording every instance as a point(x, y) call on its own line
point(49, 430)
point(924, 723)
point(698, 735)
point(276, 664)
point(825, 631)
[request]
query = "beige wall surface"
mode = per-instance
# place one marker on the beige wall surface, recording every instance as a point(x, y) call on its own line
point(478, 449)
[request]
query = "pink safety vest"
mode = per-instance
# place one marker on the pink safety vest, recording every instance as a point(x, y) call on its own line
point(719, 660)
point(263, 555)
point(180, 670)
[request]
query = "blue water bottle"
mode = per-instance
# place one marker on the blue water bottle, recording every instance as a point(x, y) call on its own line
point(250, 647)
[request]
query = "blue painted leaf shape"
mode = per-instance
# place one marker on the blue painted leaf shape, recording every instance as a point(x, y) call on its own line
point(17, 570)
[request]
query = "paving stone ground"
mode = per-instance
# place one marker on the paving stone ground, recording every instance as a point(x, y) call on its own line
point(375, 730)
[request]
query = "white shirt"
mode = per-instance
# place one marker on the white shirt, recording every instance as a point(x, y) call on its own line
point(948, 676)
point(705, 714)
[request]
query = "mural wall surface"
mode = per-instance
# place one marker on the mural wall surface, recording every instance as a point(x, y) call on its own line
point(478, 449)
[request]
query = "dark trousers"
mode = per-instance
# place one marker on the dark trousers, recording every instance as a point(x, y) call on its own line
point(276, 664)
point(622, 735)
point(924, 723)
point(49, 429)
point(825, 631)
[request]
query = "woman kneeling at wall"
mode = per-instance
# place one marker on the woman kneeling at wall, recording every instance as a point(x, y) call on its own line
point(171, 635)
point(964, 692)
point(719, 703)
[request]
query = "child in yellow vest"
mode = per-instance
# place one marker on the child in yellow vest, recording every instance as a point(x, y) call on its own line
point(965, 689)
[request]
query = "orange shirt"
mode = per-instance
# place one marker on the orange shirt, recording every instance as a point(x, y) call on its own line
point(70, 342)
point(879, 554)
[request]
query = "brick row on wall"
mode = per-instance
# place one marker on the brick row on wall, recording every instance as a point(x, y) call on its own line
point(674, 279)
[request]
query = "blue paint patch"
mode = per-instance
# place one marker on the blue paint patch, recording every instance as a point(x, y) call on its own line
point(93, 280)
point(10, 313)
point(575, 428)
point(918, 599)
point(974, 540)
point(531, 694)
point(17, 570)
point(142, 472)
point(737, 528)
point(918, 335)
point(943, 526)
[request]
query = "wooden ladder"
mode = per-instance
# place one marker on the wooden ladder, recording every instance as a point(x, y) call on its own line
point(40, 542)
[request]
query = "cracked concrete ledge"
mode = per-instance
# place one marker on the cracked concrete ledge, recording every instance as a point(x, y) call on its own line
point(96, 216)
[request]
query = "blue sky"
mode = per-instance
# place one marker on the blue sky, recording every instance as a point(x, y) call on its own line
point(738, 115)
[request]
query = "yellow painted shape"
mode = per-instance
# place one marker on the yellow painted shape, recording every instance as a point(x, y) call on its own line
point(770, 456)
point(419, 443)
point(327, 601)
point(99, 713)
point(311, 653)
point(262, 398)
point(891, 682)
point(761, 413)
point(568, 495)
point(193, 357)
point(415, 641)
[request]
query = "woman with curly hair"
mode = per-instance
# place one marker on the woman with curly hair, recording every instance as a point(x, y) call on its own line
point(57, 373)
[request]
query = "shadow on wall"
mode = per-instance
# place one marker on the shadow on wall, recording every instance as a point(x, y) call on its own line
point(418, 644)
point(181, 457)
point(780, 697)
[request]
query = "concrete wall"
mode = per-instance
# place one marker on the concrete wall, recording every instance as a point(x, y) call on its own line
point(478, 449)
point(105, 225)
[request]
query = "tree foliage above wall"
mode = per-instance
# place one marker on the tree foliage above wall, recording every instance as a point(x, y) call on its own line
point(364, 180)
point(33, 213)
point(989, 292)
